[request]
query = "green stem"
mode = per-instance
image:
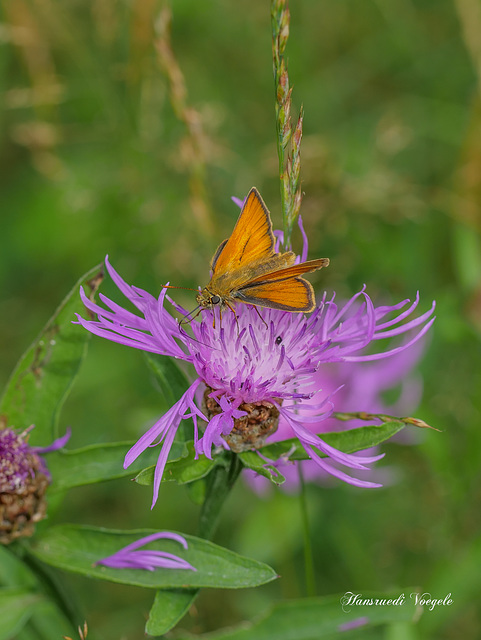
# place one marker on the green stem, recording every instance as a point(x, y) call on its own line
point(280, 33)
point(308, 558)
point(219, 484)
point(282, 164)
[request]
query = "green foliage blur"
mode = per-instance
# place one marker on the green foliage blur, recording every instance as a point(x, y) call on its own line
point(118, 138)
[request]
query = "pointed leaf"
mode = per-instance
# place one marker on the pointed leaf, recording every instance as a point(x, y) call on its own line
point(77, 548)
point(197, 491)
point(251, 460)
point(100, 462)
point(347, 441)
point(169, 607)
point(184, 470)
point(45, 373)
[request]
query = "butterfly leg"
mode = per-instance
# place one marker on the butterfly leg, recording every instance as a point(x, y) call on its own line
point(258, 313)
point(235, 316)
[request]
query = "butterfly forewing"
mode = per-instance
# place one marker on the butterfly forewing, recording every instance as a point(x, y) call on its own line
point(252, 238)
point(245, 267)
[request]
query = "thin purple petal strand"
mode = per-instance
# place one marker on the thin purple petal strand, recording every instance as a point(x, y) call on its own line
point(170, 535)
point(57, 444)
point(391, 352)
point(305, 243)
point(237, 201)
point(129, 558)
point(353, 624)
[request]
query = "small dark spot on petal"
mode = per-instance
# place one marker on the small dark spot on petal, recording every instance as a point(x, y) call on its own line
point(278, 340)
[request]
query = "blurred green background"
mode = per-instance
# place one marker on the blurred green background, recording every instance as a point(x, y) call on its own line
point(115, 140)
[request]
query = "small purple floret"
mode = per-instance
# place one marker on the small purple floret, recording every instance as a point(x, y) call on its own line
point(18, 459)
point(15, 465)
point(130, 558)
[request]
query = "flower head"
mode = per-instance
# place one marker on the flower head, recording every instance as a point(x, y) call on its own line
point(262, 357)
point(130, 558)
point(24, 478)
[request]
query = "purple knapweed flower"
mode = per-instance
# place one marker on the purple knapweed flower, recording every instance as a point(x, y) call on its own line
point(19, 461)
point(24, 478)
point(260, 357)
point(148, 559)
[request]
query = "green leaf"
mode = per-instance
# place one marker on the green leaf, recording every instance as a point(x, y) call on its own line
point(45, 373)
point(13, 572)
point(169, 607)
point(197, 491)
point(347, 441)
point(316, 618)
point(251, 460)
point(184, 470)
point(16, 607)
point(100, 462)
point(77, 548)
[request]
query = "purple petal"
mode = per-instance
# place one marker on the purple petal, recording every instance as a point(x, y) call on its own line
point(57, 444)
point(149, 560)
point(238, 201)
point(353, 624)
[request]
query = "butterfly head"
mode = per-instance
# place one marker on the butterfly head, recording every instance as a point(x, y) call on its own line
point(208, 300)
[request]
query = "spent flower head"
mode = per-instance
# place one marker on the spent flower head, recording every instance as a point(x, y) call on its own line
point(24, 478)
point(255, 366)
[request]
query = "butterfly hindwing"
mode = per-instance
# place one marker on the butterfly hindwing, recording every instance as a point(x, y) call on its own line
point(295, 294)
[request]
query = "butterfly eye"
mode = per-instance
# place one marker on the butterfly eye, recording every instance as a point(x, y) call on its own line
point(278, 340)
point(214, 300)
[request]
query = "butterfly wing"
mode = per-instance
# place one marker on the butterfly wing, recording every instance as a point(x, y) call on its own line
point(251, 240)
point(283, 289)
point(280, 275)
point(295, 294)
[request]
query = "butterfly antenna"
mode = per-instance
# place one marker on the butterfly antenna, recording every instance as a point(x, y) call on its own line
point(185, 319)
point(169, 286)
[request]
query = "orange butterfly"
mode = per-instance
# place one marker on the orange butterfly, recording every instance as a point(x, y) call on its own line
point(246, 269)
